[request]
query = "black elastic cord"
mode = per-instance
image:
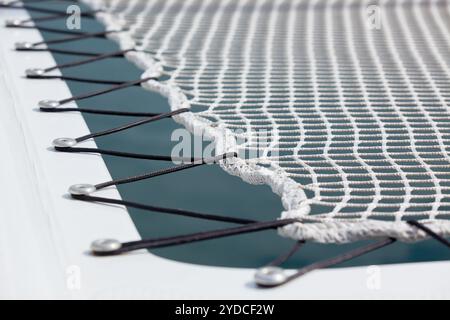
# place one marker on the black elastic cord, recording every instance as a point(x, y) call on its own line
point(43, 106)
point(43, 76)
point(69, 148)
point(104, 91)
point(53, 30)
point(195, 237)
point(285, 257)
point(102, 112)
point(100, 34)
point(89, 14)
point(11, 3)
point(328, 262)
point(32, 8)
point(76, 79)
point(61, 51)
point(125, 154)
point(131, 125)
point(346, 256)
point(39, 1)
point(179, 212)
point(53, 106)
point(120, 53)
point(343, 257)
point(164, 171)
point(430, 232)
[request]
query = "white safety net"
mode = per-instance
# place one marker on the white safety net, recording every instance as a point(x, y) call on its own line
point(352, 98)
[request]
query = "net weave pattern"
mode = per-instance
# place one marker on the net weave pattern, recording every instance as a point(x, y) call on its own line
point(351, 96)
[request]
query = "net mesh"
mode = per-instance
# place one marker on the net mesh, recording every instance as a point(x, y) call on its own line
point(352, 97)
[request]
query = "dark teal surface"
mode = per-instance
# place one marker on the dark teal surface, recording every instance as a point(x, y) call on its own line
point(205, 189)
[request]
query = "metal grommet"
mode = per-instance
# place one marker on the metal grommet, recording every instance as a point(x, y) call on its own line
point(13, 23)
point(49, 104)
point(64, 142)
point(34, 72)
point(6, 2)
point(82, 189)
point(23, 45)
point(270, 276)
point(102, 246)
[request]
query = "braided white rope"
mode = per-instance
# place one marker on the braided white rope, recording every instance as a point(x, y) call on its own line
point(358, 117)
